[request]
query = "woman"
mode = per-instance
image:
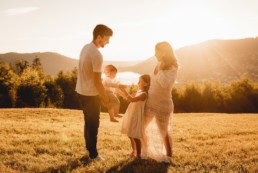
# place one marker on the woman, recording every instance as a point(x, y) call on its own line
point(157, 143)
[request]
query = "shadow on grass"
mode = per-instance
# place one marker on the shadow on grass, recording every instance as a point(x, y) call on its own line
point(139, 166)
point(71, 165)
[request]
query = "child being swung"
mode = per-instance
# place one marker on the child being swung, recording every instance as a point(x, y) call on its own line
point(111, 84)
point(132, 124)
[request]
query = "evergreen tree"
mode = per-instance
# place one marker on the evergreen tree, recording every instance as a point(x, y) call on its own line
point(8, 83)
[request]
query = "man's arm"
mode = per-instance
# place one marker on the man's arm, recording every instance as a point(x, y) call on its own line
point(99, 86)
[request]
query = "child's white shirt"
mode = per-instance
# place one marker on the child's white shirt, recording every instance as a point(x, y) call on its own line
point(110, 84)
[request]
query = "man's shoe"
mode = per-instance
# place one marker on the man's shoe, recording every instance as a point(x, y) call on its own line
point(168, 160)
point(98, 158)
point(84, 159)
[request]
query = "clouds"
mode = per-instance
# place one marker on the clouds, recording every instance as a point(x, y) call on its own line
point(19, 11)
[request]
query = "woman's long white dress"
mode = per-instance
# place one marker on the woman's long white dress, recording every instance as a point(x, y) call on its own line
point(158, 114)
point(132, 123)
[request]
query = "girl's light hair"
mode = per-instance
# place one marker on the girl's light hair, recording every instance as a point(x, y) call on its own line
point(169, 58)
point(146, 78)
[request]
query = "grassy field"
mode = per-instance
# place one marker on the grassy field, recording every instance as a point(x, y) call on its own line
point(51, 140)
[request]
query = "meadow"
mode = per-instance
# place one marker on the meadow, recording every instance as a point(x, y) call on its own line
point(47, 140)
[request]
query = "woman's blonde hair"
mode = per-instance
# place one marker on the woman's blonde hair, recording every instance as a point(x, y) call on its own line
point(169, 58)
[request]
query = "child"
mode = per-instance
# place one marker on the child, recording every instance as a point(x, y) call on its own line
point(110, 85)
point(132, 124)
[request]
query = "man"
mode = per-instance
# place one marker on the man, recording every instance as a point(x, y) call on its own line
point(90, 88)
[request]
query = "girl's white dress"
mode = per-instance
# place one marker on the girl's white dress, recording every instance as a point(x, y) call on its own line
point(132, 123)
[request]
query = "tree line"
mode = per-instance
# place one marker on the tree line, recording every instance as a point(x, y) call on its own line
point(26, 85)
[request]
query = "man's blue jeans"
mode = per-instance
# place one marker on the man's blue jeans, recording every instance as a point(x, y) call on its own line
point(91, 110)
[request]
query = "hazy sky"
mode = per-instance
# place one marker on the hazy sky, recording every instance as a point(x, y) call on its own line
point(64, 26)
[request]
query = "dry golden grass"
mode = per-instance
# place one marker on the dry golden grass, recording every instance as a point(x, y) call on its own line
point(51, 140)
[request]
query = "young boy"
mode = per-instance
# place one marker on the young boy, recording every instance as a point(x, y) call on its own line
point(111, 84)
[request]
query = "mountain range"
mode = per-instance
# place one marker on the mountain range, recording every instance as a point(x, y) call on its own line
point(214, 59)
point(224, 60)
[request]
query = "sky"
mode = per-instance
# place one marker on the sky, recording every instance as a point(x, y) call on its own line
point(65, 26)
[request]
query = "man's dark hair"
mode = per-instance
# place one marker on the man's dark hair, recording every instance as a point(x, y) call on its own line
point(102, 30)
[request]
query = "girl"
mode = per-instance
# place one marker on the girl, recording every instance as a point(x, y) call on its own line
point(132, 124)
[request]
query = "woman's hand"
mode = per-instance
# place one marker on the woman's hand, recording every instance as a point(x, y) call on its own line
point(161, 65)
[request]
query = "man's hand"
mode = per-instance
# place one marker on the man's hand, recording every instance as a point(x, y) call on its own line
point(105, 100)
